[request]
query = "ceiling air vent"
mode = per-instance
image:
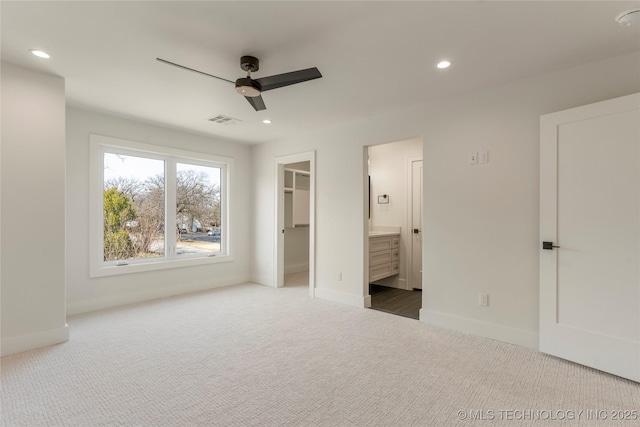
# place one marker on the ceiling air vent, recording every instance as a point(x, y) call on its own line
point(224, 120)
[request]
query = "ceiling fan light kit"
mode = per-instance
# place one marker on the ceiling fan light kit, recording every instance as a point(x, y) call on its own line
point(252, 89)
point(247, 87)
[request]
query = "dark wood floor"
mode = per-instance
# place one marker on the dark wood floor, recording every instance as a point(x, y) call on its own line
point(396, 301)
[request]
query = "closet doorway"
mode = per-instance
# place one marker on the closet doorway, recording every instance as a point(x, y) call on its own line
point(295, 208)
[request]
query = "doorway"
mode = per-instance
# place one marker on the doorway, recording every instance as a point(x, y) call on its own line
point(295, 221)
point(296, 224)
point(393, 246)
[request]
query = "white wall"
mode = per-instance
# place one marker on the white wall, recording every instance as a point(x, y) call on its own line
point(388, 164)
point(33, 208)
point(86, 294)
point(480, 222)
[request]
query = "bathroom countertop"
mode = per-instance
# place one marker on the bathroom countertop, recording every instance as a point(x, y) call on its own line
point(383, 233)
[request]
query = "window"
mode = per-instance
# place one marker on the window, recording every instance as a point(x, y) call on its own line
point(155, 207)
point(132, 207)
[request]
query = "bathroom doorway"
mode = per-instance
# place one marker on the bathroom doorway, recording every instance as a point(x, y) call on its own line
point(394, 227)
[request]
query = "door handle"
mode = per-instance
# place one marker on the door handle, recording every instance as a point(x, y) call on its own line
point(549, 246)
point(416, 231)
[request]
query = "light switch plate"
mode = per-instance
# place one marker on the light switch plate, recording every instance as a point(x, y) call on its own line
point(483, 299)
point(484, 157)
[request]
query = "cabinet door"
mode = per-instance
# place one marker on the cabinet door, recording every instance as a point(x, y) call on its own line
point(380, 257)
point(380, 243)
point(378, 272)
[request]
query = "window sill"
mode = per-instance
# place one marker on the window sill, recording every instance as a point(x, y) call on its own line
point(114, 270)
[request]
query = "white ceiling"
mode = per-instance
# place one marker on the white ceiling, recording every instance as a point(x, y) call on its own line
point(374, 56)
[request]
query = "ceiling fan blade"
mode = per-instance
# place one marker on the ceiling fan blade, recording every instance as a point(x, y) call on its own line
point(286, 79)
point(191, 69)
point(256, 102)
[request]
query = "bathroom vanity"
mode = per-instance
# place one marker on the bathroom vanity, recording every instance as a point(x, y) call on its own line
point(384, 254)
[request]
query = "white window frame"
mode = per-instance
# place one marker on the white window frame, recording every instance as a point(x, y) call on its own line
point(99, 145)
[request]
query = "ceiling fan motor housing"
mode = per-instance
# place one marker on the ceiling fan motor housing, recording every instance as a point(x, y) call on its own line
point(250, 63)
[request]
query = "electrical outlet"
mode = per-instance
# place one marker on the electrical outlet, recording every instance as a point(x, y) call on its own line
point(483, 299)
point(473, 158)
point(339, 276)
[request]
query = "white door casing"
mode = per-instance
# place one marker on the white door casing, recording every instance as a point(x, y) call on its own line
point(590, 208)
point(416, 206)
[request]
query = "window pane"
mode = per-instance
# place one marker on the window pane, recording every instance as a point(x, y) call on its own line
point(198, 209)
point(133, 206)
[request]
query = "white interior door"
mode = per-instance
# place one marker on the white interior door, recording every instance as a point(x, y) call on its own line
point(590, 208)
point(416, 224)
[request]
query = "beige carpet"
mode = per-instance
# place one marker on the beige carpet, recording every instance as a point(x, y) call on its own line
point(250, 355)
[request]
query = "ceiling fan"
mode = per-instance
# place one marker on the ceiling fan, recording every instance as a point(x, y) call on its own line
point(250, 88)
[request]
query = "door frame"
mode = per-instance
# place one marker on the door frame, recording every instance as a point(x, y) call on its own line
point(410, 260)
point(366, 218)
point(278, 263)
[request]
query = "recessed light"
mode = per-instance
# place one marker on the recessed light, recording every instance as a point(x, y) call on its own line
point(443, 64)
point(40, 53)
point(266, 121)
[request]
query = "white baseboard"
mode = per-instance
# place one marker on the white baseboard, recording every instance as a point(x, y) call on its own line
point(262, 280)
point(296, 268)
point(22, 343)
point(367, 301)
point(483, 329)
point(78, 307)
point(349, 299)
